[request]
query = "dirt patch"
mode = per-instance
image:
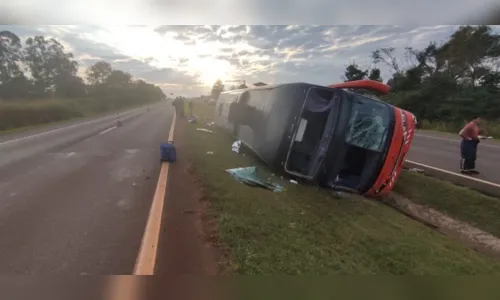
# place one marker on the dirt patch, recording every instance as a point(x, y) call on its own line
point(469, 235)
point(184, 246)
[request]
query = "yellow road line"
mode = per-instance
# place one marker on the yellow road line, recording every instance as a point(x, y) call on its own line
point(123, 287)
point(146, 260)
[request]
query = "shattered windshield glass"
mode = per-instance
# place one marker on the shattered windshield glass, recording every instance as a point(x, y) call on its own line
point(368, 124)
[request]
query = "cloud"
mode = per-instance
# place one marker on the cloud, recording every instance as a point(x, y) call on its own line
point(168, 76)
point(87, 52)
point(188, 59)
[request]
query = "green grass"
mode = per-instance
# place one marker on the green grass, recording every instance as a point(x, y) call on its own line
point(20, 115)
point(459, 202)
point(305, 230)
point(491, 128)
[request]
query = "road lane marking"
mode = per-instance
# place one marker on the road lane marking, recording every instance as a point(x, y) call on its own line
point(456, 174)
point(60, 129)
point(107, 130)
point(452, 140)
point(146, 260)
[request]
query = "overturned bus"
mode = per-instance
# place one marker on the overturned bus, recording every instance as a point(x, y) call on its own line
point(331, 135)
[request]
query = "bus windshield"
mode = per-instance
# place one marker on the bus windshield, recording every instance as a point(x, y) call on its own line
point(368, 124)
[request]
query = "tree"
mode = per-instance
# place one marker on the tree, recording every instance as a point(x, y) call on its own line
point(467, 51)
point(427, 59)
point(99, 73)
point(10, 56)
point(491, 81)
point(353, 72)
point(448, 82)
point(70, 86)
point(388, 57)
point(51, 71)
point(375, 75)
point(13, 83)
point(48, 63)
point(217, 89)
point(18, 87)
point(118, 79)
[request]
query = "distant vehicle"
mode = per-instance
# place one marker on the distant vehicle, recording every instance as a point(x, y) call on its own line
point(326, 135)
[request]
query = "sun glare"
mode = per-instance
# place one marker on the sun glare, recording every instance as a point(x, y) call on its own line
point(210, 69)
point(166, 51)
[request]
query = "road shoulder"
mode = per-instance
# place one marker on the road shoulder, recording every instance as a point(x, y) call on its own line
point(184, 247)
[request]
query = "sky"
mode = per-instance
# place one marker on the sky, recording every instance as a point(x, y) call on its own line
point(187, 59)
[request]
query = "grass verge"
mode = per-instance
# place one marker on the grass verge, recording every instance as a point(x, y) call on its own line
point(491, 128)
point(458, 202)
point(305, 230)
point(21, 115)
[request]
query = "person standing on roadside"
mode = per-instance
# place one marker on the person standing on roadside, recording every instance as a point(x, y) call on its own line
point(468, 146)
point(178, 103)
point(190, 105)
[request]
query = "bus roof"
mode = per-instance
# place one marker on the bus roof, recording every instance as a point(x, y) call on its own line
point(370, 85)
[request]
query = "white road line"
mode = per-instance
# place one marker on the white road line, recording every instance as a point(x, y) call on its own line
point(452, 140)
point(59, 129)
point(456, 174)
point(107, 130)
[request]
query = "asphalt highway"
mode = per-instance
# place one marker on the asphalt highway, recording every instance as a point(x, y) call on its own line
point(75, 197)
point(442, 150)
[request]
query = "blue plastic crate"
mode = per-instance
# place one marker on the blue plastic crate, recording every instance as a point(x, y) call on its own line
point(168, 152)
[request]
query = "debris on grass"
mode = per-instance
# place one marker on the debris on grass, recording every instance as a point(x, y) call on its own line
point(210, 153)
point(204, 130)
point(193, 120)
point(236, 146)
point(293, 181)
point(249, 176)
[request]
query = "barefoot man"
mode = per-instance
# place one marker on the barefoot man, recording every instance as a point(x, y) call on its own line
point(468, 147)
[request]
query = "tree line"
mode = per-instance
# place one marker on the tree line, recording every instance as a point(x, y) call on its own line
point(40, 68)
point(447, 82)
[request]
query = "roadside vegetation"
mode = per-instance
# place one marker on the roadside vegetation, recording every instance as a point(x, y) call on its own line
point(458, 202)
point(445, 83)
point(39, 84)
point(305, 230)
